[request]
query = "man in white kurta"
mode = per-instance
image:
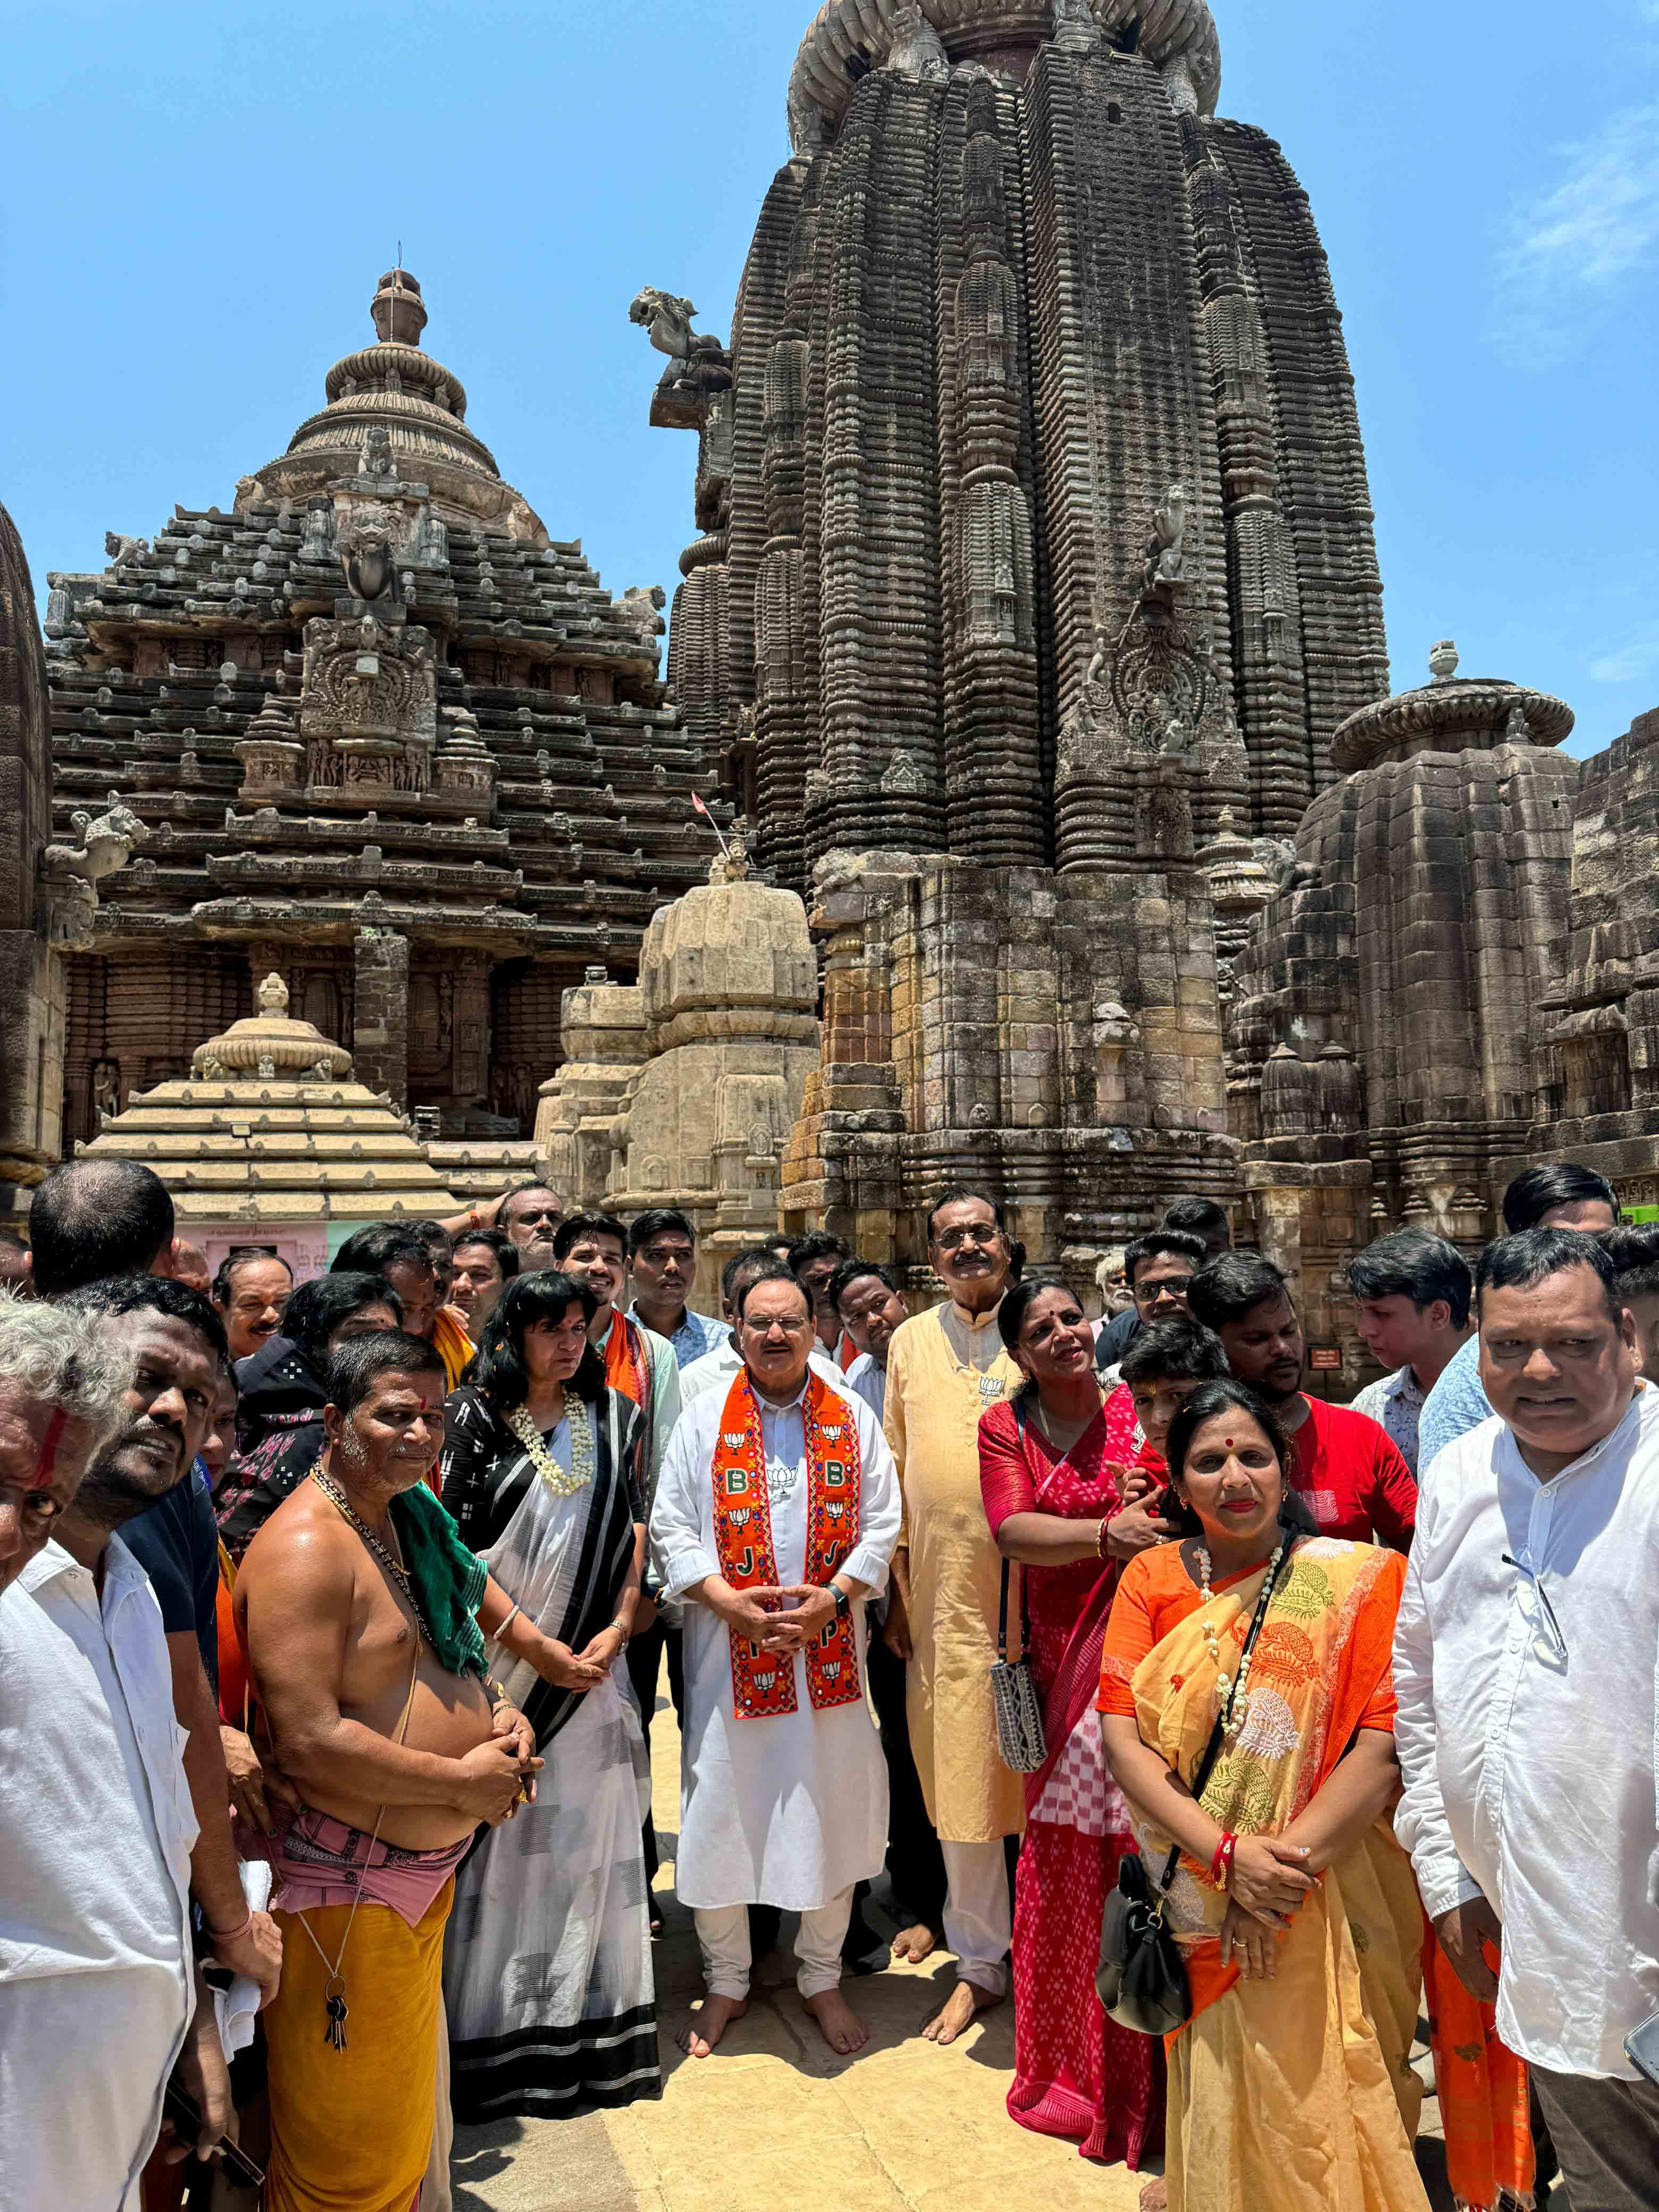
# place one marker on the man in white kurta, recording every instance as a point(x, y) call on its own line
point(96, 1824)
point(788, 1810)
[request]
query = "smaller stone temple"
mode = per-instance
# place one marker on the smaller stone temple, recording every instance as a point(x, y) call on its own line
point(1401, 1009)
point(271, 1139)
point(681, 1090)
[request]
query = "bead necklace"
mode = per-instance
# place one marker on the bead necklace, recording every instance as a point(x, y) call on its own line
point(393, 1566)
point(523, 1425)
point(1232, 1698)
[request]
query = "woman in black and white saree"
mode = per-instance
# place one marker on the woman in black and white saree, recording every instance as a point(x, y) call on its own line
point(547, 1962)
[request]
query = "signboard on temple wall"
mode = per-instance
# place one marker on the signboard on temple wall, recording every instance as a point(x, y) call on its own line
point(308, 1249)
point(1326, 1359)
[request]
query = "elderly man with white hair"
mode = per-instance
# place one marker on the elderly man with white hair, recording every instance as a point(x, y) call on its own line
point(62, 1384)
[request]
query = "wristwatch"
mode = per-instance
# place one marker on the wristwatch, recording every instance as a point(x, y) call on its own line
point(843, 1602)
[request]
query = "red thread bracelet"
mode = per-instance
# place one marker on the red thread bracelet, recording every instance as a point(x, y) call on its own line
point(1221, 1866)
point(230, 1935)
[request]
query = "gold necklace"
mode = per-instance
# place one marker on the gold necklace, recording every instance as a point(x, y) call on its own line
point(392, 1565)
point(523, 1425)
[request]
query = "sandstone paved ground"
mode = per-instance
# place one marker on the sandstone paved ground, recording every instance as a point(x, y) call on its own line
point(776, 2120)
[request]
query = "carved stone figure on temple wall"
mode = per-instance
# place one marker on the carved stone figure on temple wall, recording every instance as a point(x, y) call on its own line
point(917, 51)
point(70, 874)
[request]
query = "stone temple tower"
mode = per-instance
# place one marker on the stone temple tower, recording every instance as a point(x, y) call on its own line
point(1034, 534)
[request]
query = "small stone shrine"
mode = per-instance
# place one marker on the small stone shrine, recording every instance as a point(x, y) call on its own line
point(690, 1081)
point(383, 738)
point(271, 1139)
point(1388, 1039)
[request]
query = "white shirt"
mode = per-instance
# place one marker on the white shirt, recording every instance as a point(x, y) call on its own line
point(1530, 1780)
point(790, 1810)
point(96, 1824)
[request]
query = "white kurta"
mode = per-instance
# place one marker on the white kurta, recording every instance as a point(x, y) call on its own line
point(788, 1811)
point(96, 1826)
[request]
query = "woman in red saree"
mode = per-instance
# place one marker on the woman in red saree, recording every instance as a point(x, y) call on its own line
point(1055, 1475)
point(1290, 2087)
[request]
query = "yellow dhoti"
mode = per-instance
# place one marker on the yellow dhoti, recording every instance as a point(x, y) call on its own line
point(351, 2130)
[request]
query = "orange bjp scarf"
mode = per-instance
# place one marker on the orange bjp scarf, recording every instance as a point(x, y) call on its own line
point(764, 1683)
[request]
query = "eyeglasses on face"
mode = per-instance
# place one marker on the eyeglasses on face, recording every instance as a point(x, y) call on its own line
point(974, 1232)
point(1166, 1286)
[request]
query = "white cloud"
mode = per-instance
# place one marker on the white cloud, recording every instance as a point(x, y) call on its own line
point(1601, 220)
point(1636, 658)
point(1579, 237)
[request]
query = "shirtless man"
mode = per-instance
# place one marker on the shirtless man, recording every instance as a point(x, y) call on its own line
point(355, 1604)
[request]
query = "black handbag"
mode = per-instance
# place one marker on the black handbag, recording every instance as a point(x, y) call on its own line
point(1141, 1979)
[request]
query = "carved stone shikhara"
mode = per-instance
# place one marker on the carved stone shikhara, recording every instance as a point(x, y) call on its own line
point(1037, 573)
point(345, 715)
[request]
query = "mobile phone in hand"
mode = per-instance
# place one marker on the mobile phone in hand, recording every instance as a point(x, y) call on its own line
point(184, 2112)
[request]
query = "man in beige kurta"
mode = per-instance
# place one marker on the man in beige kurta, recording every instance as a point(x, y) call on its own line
point(943, 1368)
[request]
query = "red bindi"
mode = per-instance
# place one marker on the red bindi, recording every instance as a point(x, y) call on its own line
point(1229, 1441)
point(46, 1464)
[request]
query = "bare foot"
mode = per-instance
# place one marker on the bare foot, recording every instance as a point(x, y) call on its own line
point(1154, 2197)
point(913, 1944)
point(956, 2012)
point(710, 2021)
point(843, 2031)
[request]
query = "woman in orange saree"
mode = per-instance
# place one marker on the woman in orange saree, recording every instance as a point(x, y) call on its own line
point(1291, 2088)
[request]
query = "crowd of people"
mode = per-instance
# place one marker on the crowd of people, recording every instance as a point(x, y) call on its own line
point(335, 1615)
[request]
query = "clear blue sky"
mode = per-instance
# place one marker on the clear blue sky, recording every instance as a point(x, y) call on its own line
point(199, 198)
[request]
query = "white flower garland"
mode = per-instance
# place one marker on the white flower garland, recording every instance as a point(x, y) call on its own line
point(582, 1449)
point(1233, 1712)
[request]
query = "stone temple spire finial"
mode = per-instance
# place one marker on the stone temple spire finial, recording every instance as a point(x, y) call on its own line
point(1442, 661)
point(399, 315)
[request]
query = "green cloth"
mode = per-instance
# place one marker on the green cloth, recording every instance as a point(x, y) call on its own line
point(447, 1579)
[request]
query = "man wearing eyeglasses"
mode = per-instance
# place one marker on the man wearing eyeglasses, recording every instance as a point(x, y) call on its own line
point(1157, 1268)
point(1524, 1666)
point(774, 1520)
point(943, 1368)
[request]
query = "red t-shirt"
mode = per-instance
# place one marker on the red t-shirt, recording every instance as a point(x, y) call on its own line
point(1354, 1476)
